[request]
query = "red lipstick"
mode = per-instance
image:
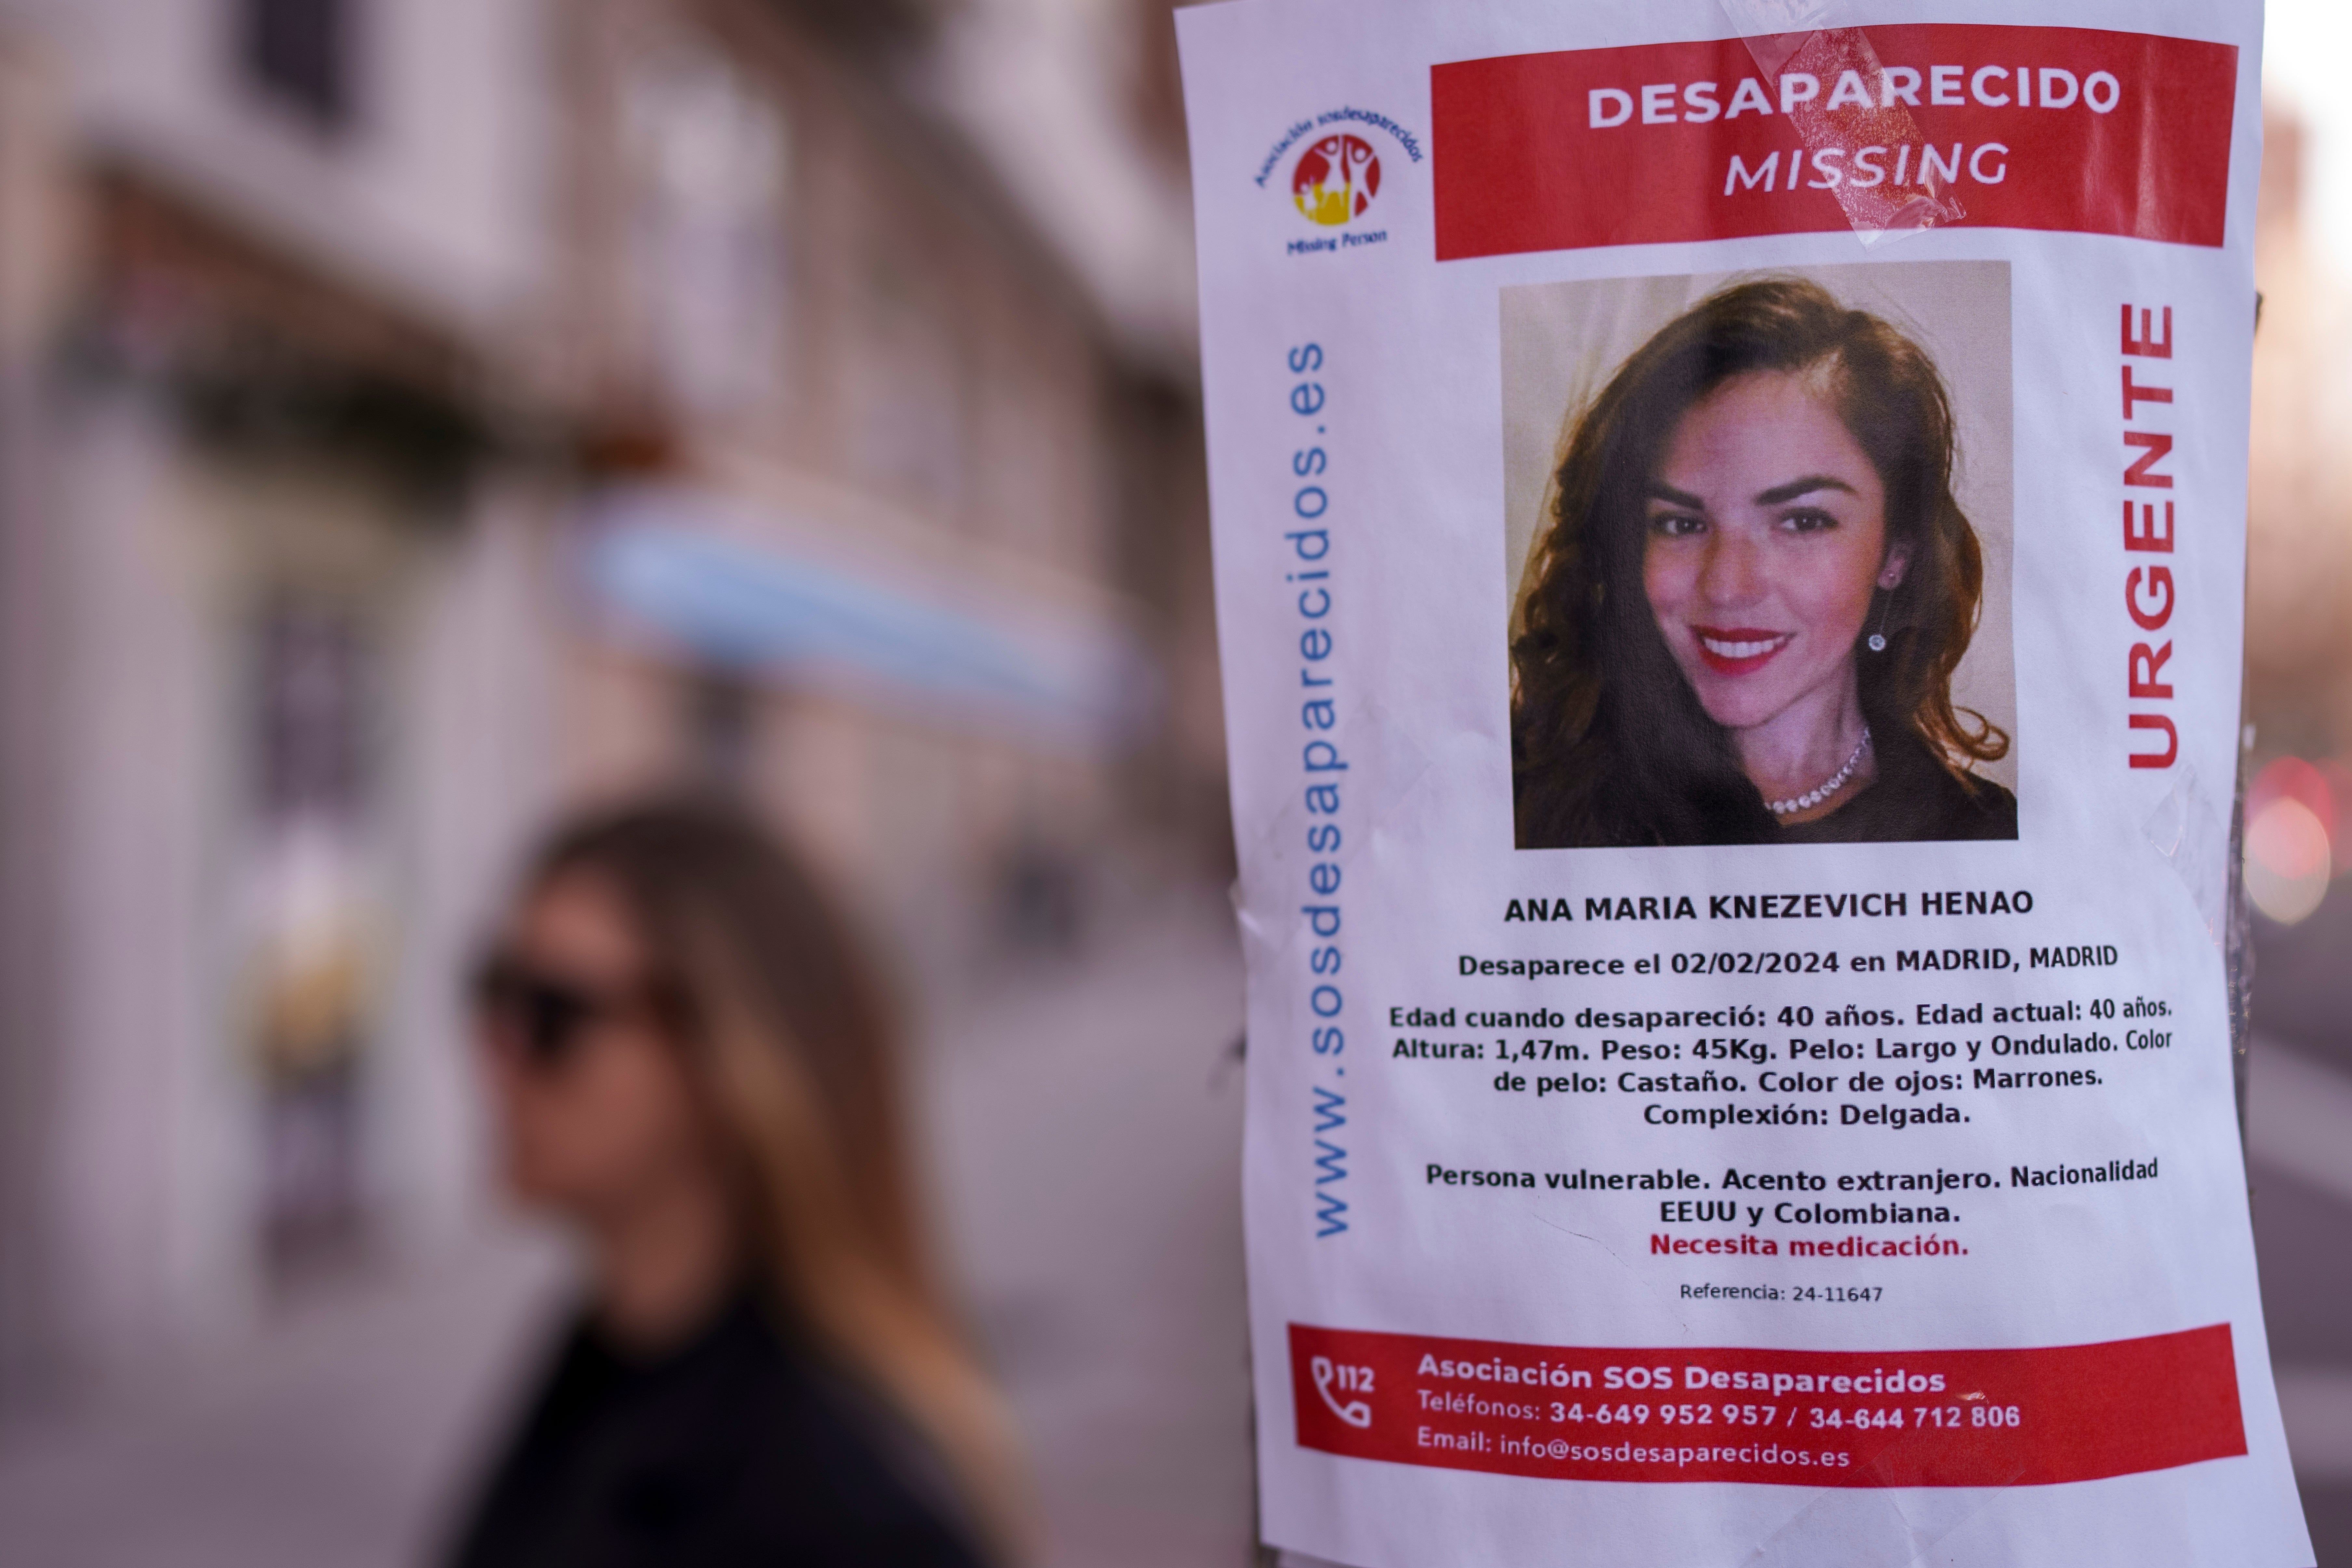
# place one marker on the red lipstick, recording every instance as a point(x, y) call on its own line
point(1737, 650)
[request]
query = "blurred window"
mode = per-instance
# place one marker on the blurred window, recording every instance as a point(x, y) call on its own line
point(708, 163)
point(723, 718)
point(311, 960)
point(906, 385)
point(312, 678)
point(299, 52)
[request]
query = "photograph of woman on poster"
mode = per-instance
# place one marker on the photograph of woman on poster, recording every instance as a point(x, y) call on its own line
point(1742, 616)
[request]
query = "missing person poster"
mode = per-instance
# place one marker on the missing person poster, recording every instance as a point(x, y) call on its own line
point(1730, 527)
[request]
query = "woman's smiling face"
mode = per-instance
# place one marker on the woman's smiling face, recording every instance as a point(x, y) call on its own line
point(1766, 534)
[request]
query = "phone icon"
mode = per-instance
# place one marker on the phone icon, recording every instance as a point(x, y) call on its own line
point(1357, 1412)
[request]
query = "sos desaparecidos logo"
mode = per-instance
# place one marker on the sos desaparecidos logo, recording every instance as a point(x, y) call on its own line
point(1335, 179)
point(1336, 174)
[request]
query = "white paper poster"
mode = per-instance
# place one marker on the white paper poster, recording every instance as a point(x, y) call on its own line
point(1730, 535)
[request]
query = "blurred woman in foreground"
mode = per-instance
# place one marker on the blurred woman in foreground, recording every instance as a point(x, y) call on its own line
point(691, 1063)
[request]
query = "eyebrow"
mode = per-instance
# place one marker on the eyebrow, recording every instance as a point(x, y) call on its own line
point(1805, 486)
point(1665, 492)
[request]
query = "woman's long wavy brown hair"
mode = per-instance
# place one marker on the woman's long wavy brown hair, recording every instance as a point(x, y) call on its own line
point(790, 1041)
point(1608, 744)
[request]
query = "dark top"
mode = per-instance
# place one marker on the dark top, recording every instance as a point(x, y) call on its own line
point(1913, 797)
point(734, 1449)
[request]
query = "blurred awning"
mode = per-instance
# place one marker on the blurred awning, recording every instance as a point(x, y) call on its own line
point(690, 567)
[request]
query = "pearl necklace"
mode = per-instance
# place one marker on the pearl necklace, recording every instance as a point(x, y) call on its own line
point(1813, 798)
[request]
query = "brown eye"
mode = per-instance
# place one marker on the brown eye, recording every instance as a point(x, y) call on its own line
point(1809, 520)
point(1677, 524)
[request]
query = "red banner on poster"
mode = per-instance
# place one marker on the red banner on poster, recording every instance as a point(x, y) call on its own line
point(1836, 1418)
point(1878, 128)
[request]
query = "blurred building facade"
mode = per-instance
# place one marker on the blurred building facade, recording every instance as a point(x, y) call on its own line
point(2299, 578)
point(416, 418)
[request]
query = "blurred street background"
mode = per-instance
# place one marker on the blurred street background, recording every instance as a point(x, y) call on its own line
point(419, 418)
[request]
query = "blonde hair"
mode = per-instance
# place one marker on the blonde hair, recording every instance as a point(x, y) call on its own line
point(789, 1035)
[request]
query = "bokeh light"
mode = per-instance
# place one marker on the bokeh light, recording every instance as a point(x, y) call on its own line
point(2287, 860)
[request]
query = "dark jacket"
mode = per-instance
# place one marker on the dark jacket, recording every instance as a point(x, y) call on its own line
point(732, 1451)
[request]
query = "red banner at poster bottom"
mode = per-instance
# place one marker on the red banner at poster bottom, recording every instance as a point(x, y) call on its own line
point(1906, 1418)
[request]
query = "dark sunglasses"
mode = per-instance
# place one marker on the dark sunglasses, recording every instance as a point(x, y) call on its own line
point(546, 1014)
